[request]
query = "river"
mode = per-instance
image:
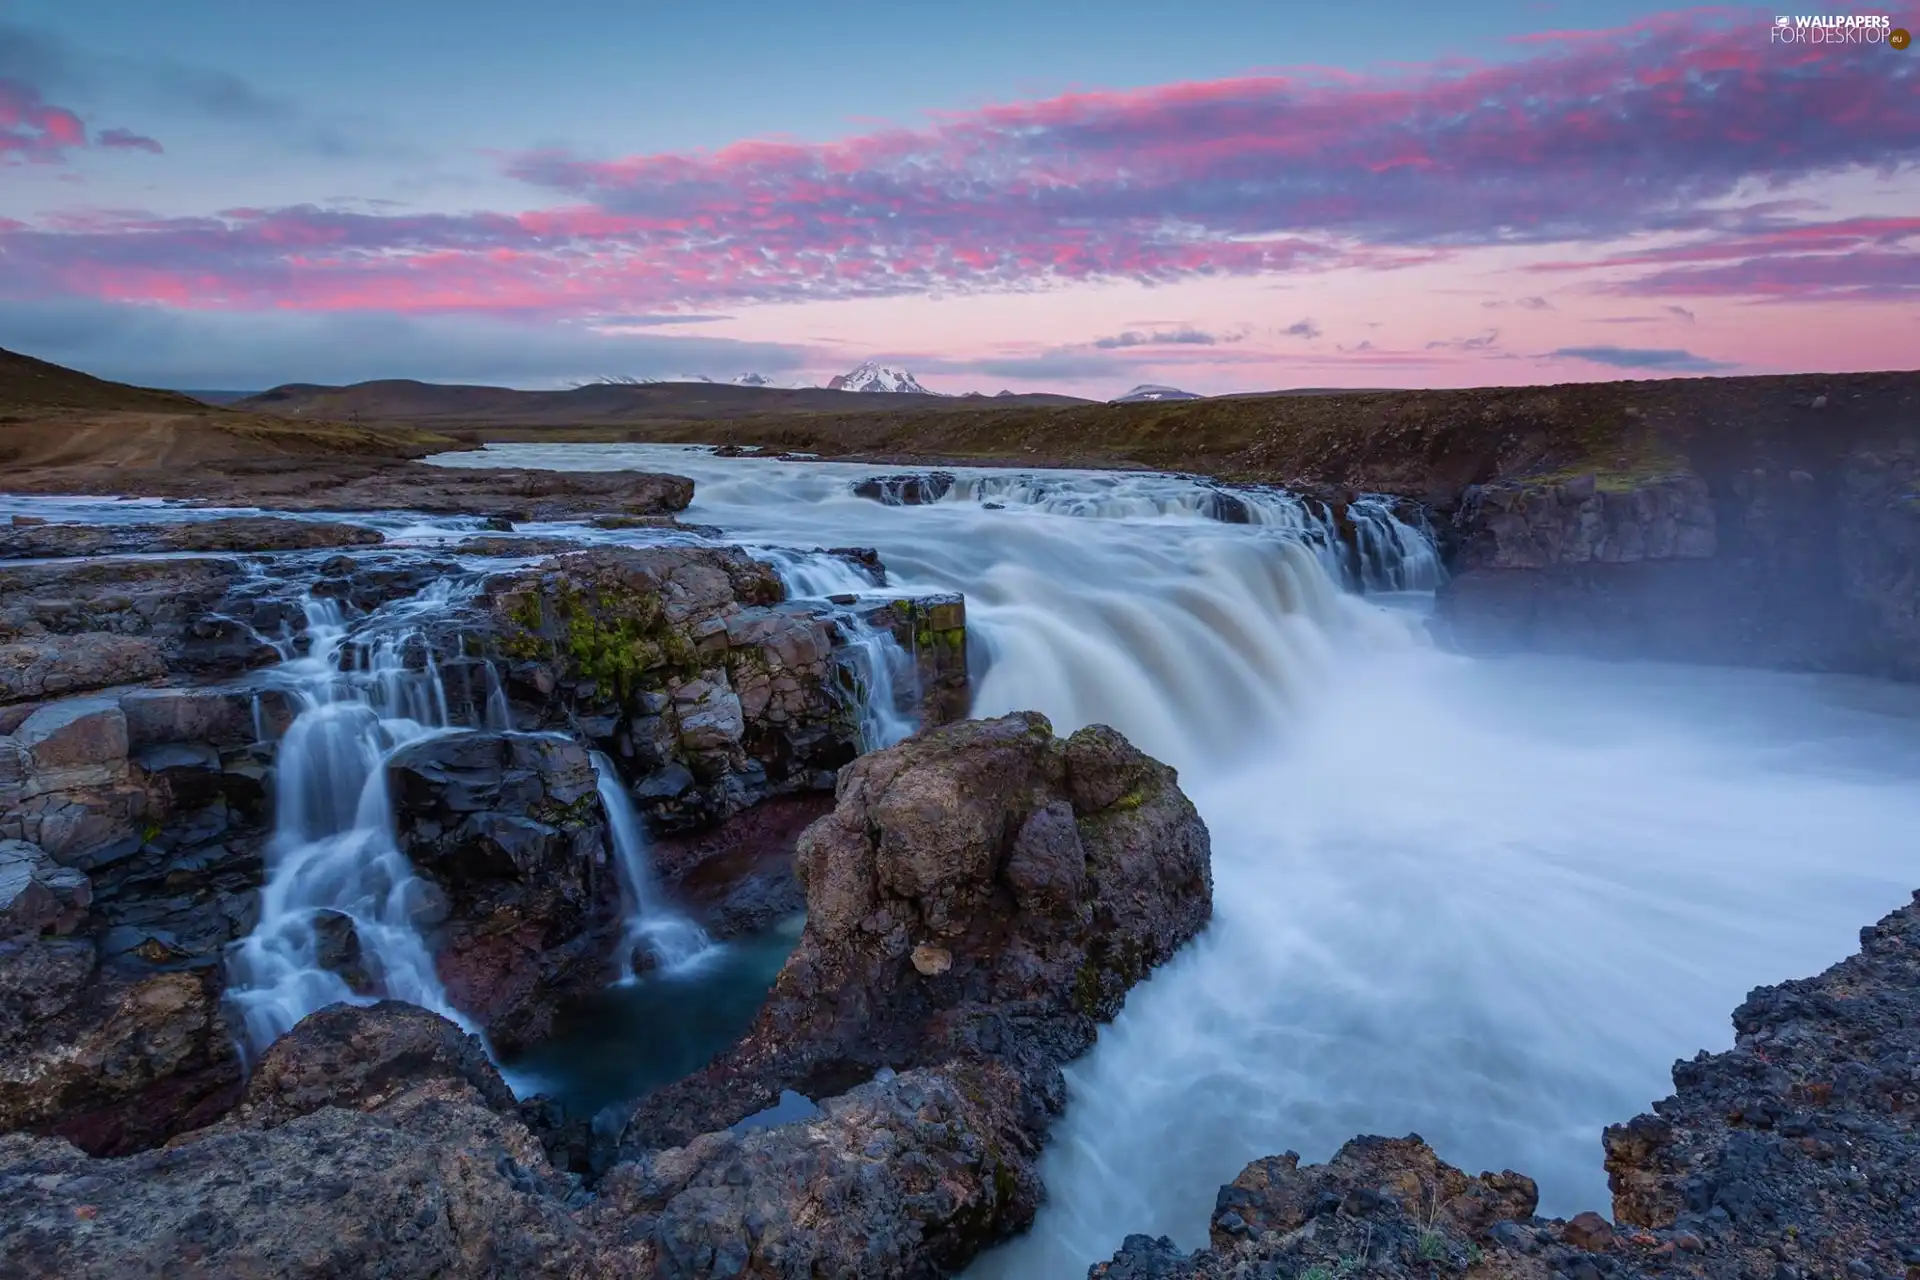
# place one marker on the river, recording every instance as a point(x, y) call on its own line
point(1486, 901)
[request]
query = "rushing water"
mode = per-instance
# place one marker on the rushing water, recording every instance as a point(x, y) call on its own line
point(649, 922)
point(333, 856)
point(1490, 902)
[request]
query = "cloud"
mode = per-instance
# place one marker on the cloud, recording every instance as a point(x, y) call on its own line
point(127, 140)
point(1365, 344)
point(33, 129)
point(1865, 258)
point(1302, 329)
point(1184, 336)
point(1523, 304)
point(1479, 342)
point(1655, 127)
point(1643, 358)
point(1677, 310)
point(157, 346)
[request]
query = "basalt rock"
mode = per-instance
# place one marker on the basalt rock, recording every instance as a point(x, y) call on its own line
point(372, 1142)
point(510, 829)
point(1800, 1146)
point(1045, 878)
point(1799, 552)
point(1794, 1154)
point(905, 490)
point(688, 667)
point(232, 533)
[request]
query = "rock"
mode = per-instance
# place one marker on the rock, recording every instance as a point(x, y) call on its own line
point(52, 668)
point(933, 629)
point(114, 1062)
point(1806, 1120)
point(1588, 1231)
point(362, 1059)
point(1381, 1206)
point(905, 490)
point(230, 533)
point(511, 829)
point(371, 1144)
point(688, 667)
point(919, 958)
point(738, 878)
point(70, 745)
point(214, 716)
point(515, 547)
point(38, 895)
point(908, 1177)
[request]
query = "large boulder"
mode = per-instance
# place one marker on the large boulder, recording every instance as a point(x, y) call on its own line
point(511, 830)
point(983, 895)
point(372, 1142)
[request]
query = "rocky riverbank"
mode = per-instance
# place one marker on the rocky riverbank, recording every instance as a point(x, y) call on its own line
point(982, 895)
point(145, 699)
point(1794, 1155)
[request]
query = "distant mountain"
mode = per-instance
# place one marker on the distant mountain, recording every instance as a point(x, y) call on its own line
point(762, 380)
point(217, 397)
point(1152, 391)
point(880, 377)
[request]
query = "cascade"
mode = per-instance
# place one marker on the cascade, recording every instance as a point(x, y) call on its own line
point(332, 859)
point(649, 923)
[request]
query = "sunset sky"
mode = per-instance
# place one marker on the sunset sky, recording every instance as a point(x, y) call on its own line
point(1222, 195)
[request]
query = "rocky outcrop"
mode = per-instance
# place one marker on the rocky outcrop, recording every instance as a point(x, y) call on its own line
point(690, 669)
point(232, 533)
point(1800, 1146)
point(982, 896)
point(510, 829)
point(933, 631)
point(112, 1059)
point(370, 1142)
point(1795, 1154)
point(908, 489)
point(1801, 553)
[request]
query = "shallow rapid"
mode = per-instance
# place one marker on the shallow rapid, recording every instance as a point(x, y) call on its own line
point(1490, 902)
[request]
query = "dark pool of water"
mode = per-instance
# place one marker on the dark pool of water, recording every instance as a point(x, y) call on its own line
point(625, 1040)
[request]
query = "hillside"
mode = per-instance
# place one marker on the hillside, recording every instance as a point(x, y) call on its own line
point(1405, 441)
point(52, 416)
point(437, 405)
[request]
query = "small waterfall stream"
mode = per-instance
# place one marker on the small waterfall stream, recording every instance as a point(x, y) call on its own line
point(332, 861)
point(649, 922)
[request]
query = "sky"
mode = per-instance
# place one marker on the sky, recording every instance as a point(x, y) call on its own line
point(1045, 195)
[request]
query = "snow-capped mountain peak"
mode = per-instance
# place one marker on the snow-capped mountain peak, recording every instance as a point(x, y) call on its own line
point(762, 380)
point(1153, 391)
point(873, 376)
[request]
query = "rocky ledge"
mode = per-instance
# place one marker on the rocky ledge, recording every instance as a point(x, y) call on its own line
point(982, 895)
point(1794, 1155)
point(1800, 554)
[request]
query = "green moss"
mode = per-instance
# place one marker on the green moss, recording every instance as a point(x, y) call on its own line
point(618, 638)
point(1132, 800)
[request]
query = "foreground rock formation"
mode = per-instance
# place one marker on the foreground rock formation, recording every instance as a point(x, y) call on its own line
point(1794, 1154)
point(981, 897)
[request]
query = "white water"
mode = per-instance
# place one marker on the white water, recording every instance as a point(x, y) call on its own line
point(333, 850)
point(649, 922)
point(1488, 901)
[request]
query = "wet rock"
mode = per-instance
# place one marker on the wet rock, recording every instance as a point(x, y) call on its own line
point(738, 878)
point(37, 894)
point(1807, 1120)
point(214, 716)
point(511, 829)
point(203, 616)
point(933, 631)
point(515, 547)
point(231, 533)
point(372, 1142)
point(918, 957)
point(1381, 1206)
point(907, 1177)
point(686, 665)
point(905, 490)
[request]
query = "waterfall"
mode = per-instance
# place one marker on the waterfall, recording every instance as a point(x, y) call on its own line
point(648, 922)
point(332, 859)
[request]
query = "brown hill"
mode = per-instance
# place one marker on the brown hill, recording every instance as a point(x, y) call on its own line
point(52, 416)
point(1404, 441)
point(597, 404)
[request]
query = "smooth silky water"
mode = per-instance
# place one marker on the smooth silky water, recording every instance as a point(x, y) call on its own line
point(1487, 901)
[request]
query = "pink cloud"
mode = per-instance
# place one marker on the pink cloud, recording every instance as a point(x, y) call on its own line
point(1586, 137)
point(34, 130)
